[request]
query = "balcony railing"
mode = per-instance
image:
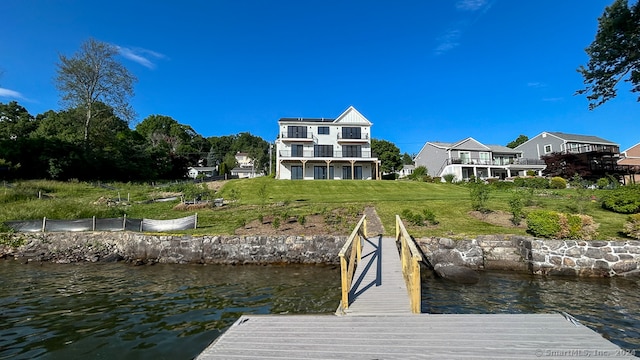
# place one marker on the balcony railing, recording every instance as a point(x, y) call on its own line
point(587, 148)
point(297, 136)
point(335, 154)
point(361, 137)
point(495, 162)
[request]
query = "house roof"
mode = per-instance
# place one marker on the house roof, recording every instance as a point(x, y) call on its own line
point(349, 116)
point(202, 168)
point(503, 149)
point(306, 120)
point(589, 139)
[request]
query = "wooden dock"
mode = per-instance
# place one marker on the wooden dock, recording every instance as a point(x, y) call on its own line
point(379, 324)
point(378, 286)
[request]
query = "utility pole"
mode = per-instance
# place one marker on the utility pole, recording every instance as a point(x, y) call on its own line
point(270, 156)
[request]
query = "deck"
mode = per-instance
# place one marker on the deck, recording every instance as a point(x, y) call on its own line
point(379, 324)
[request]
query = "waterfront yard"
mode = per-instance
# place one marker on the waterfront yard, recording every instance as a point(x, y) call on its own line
point(304, 207)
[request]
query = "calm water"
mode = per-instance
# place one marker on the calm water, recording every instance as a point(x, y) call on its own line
point(175, 311)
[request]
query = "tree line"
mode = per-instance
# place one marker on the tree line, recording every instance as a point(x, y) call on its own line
point(58, 145)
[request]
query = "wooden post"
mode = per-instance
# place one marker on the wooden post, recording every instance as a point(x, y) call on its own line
point(44, 223)
point(345, 282)
point(195, 222)
point(93, 224)
point(124, 222)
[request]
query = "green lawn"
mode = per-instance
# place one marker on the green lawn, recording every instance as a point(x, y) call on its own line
point(264, 196)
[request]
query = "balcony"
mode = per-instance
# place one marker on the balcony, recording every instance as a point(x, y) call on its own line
point(297, 137)
point(310, 154)
point(495, 162)
point(361, 138)
point(573, 148)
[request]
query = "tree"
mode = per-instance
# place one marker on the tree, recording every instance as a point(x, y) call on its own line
point(407, 159)
point(15, 121)
point(93, 75)
point(614, 54)
point(388, 154)
point(520, 140)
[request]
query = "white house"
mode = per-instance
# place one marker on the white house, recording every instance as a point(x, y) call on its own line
point(319, 148)
point(207, 171)
point(246, 166)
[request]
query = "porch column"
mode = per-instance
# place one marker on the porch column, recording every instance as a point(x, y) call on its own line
point(353, 175)
point(328, 167)
point(378, 175)
point(508, 172)
point(304, 170)
point(475, 172)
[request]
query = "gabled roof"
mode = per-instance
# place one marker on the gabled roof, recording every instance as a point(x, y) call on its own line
point(588, 139)
point(469, 144)
point(349, 116)
point(503, 149)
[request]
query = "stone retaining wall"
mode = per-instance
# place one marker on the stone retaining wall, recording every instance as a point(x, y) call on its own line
point(489, 252)
point(537, 256)
point(145, 248)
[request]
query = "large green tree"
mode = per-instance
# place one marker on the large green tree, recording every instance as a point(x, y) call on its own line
point(93, 75)
point(614, 55)
point(518, 141)
point(388, 154)
point(15, 121)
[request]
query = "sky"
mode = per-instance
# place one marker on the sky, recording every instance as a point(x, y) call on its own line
point(419, 70)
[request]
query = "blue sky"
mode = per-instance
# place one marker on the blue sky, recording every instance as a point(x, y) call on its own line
point(423, 70)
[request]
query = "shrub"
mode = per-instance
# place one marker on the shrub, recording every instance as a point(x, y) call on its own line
point(531, 173)
point(516, 206)
point(276, 222)
point(603, 183)
point(543, 223)
point(503, 185)
point(302, 220)
point(430, 216)
point(624, 200)
point(550, 224)
point(261, 218)
point(532, 182)
point(557, 182)
point(479, 193)
point(632, 226)
point(427, 217)
point(419, 174)
point(449, 178)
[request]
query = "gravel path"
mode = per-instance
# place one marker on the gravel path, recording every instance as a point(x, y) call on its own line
point(374, 225)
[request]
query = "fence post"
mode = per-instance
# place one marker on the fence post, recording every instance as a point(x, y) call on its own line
point(195, 222)
point(93, 226)
point(124, 222)
point(44, 223)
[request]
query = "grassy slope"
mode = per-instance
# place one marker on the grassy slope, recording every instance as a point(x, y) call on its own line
point(450, 203)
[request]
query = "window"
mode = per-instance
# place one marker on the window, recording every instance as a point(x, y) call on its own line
point(465, 157)
point(323, 150)
point(320, 172)
point(346, 173)
point(296, 172)
point(485, 159)
point(352, 151)
point(323, 130)
point(547, 148)
point(298, 132)
point(297, 150)
point(351, 133)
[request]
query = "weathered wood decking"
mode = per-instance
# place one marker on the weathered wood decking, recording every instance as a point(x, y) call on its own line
point(378, 286)
point(378, 324)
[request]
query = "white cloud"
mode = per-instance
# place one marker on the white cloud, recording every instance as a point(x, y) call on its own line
point(470, 5)
point(142, 56)
point(7, 93)
point(536, 84)
point(448, 41)
point(555, 99)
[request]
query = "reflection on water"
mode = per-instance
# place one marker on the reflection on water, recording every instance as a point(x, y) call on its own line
point(160, 312)
point(609, 306)
point(174, 311)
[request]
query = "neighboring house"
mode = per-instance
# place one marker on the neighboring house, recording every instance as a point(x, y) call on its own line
point(245, 167)
point(469, 157)
point(194, 172)
point(589, 155)
point(630, 160)
point(313, 148)
point(406, 171)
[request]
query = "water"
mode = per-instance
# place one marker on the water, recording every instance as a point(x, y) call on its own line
point(104, 311)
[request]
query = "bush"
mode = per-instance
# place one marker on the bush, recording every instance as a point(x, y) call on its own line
point(632, 226)
point(427, 217)
point(550, 224)
point(543, 223)
point(419, 174)
point(516, 206)
point(532, 182)
point(503, 185)
point(430, 216)
point(624, 200)
point(557, 182)
point(479, 193)
point(449, 178)
point(603, 183)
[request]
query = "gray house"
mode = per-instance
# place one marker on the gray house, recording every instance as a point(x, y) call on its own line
point(469, 157)
point(556, 142)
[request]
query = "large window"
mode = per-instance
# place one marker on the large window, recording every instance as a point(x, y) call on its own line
point(297, 150)
point(351, 133)
point(547, 148)
point(323, 130)
point(352, 151)
point(298, 132)
point(296, 172)
point(346, 172)
point(323, 150)
point(320, 172)
point(485, 158)
point(465, 157)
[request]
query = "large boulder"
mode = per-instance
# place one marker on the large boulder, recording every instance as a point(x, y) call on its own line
point(459, 274)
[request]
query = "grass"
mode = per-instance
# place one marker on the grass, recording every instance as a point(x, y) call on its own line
point(265, 196)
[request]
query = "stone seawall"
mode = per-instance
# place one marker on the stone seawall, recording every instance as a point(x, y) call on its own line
point(145, 248)
point(537, 256)
point(488, 252)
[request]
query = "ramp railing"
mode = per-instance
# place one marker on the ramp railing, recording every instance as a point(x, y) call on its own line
point(347, 268)
point(410, 258)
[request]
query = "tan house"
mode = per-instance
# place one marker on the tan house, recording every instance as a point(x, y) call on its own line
point(631, 158)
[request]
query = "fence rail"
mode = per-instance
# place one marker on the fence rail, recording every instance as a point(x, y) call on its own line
point(348, 268)
point(410, 258)
point(107, 224)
